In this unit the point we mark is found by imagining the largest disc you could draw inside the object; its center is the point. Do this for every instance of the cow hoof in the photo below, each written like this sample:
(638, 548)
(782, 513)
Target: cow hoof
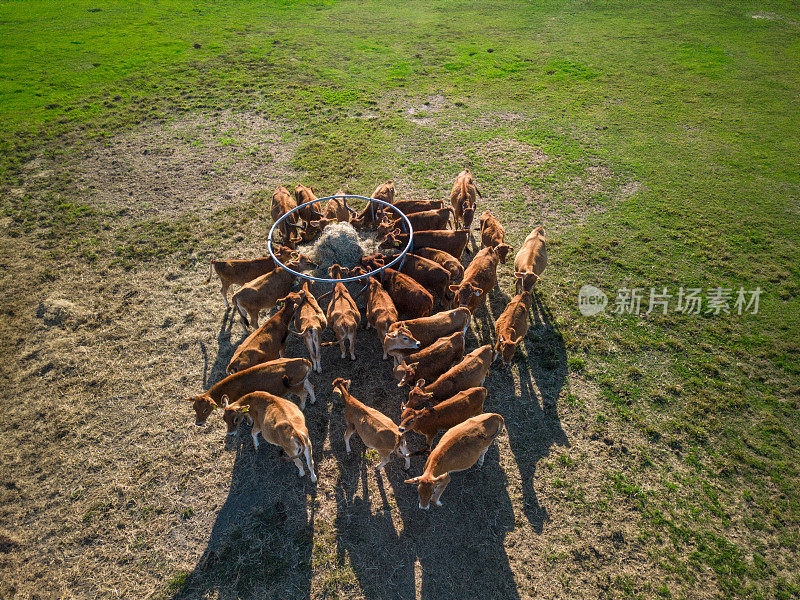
(438, 503)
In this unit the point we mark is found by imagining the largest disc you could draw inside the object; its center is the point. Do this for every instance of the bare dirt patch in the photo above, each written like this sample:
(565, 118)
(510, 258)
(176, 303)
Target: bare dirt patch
(196, 164)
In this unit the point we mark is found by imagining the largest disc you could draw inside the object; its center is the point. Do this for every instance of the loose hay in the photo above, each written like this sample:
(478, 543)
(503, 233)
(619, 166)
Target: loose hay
(340, 244)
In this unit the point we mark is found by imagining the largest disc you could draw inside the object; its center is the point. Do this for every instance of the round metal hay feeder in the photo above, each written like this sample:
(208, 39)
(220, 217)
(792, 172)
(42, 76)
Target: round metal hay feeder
(400, 258)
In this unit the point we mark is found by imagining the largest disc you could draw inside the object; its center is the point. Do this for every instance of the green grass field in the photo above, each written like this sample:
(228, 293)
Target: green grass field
(659, 146)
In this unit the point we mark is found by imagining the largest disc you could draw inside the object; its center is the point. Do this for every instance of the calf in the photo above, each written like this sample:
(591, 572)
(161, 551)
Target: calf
(410, 298)
(470, 372)
(459, 449)
(263, 292)
(492, 231)
(242, 271)
(422, 221)
(462, 197)
(448, 261)
(512, 325)
(429, 421)
(268, 341)
(282, 202)
(336, 210)
(280, 377)
(408, 207)
(382, 314)
(310, 322)
(343, 315)
(480, 277)
(369, 216)
(430, 362)
(278, 421)
(531, 260)
(426, 330)
(452, 242)
(303, 195)
(375, 429)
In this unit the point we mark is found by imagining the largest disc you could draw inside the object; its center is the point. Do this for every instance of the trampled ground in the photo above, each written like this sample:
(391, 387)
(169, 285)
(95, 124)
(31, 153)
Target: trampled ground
(645, 456)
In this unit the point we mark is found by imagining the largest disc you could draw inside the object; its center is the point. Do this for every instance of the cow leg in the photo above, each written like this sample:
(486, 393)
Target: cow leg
(352, 338)
(318, 350)
(384, 460)
(254, 318)
(280, 353)
(341, 341)
(310, 391)
(482, 456)
(347, 434)
(225, 294)
(310, 463)
(254, 433)
(437, 492)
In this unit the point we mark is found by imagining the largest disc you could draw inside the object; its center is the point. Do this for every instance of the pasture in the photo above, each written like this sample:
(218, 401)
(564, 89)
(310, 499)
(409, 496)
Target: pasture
(646, 455)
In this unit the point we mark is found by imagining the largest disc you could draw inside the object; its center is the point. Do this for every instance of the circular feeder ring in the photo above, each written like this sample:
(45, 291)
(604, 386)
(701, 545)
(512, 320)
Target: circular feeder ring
(400, 258)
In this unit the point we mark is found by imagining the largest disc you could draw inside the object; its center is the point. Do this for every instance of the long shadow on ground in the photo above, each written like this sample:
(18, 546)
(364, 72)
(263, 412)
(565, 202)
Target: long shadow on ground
(225, 350)
(261, 541)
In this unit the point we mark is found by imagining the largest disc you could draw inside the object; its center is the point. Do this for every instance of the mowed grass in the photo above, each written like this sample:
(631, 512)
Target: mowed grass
(558, 108)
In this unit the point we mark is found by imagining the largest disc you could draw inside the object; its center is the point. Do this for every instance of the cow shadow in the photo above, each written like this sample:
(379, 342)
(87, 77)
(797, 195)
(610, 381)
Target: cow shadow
(225, 349)
(531, 411)
(261, 541)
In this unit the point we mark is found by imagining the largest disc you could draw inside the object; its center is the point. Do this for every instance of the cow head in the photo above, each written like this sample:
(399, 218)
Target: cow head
(291, 302)
(409, 417)
(393, 241)
(426, 485)
(526, 280)
(464, 294)
(400, 339)
(384, 227)
(337, 271)
(203, 406)
(467, 214)
(506, 346)
(417, 396)
(405, 372)
(234, 416)
(502, 252)
(385, 192)
(341, 386)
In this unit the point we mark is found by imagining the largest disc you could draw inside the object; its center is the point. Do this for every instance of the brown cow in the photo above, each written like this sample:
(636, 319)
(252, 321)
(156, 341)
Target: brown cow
(462, 197)
(429, 421)
(429, 362)
(263, 292)
(470, 372)
(336, 210)
(410, 298)
(375, 429)
(282, 203)
(408, 207)
(310, 322)
(241, 271)
(280, 377)
(303, 195)
(448, 261)
(531, 260)
(430, 275)
(268, 341)
(452, 242)
(480, 277)
(369, 216)
(426, 330)
(512, 325)
(459, 449)
(382, 314)
(492, 231)
(428, 220)
(343, 315)
(278, 421)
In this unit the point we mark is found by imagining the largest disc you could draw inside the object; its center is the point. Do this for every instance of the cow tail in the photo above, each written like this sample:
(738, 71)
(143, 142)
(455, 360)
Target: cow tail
(210, 271)
(242, 312)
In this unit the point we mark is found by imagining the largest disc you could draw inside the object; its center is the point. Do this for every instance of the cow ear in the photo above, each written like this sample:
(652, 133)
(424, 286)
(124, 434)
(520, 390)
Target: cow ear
(454, 288)
(439, 478)
(314, 223)
(225, 401)
(420, 382)
(396, 232)
(517, 275)
(413, 480)
(477, 292)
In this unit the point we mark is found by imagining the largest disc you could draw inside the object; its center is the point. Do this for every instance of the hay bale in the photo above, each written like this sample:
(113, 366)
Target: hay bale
(338, 244)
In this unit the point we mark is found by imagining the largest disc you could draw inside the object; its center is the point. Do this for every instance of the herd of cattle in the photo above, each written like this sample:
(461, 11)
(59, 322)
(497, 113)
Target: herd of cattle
(425, 346)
